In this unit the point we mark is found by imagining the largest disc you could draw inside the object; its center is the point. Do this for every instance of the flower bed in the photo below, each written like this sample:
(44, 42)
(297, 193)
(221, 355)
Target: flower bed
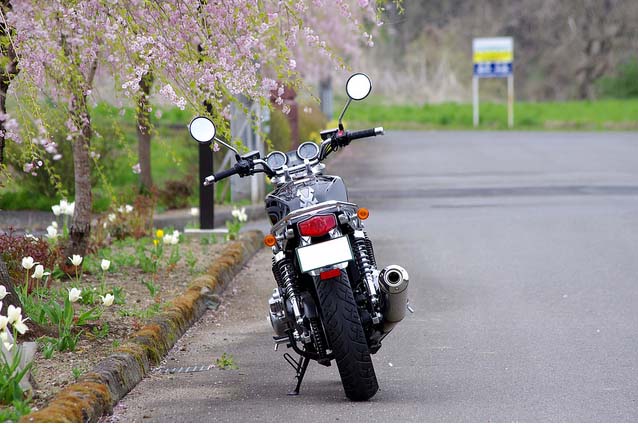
(81, 315)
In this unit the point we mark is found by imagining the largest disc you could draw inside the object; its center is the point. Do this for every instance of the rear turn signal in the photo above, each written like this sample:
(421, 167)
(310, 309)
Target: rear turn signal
(363, 213)
(270, 240)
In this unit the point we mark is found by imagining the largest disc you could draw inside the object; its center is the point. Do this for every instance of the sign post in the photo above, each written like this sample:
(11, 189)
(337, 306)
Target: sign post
(493, 58)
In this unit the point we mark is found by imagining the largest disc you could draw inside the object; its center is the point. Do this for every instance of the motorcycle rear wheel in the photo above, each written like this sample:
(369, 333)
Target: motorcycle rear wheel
(346, 337)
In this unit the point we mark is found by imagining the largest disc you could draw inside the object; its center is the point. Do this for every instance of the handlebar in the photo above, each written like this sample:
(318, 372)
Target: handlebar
(371, 132)
(211, 179)
(246, 165)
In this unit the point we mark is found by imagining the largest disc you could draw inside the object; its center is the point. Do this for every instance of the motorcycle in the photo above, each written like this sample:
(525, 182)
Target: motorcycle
(331, 301)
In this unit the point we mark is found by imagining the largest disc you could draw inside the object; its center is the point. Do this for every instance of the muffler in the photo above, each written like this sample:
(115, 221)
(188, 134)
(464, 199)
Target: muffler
(394, 280)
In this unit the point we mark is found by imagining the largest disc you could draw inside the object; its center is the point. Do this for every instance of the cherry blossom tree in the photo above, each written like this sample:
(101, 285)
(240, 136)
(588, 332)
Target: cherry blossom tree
(58, 44)
(197, 51)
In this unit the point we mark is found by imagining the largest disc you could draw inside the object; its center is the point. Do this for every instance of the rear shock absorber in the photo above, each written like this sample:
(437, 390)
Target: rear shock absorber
(286, 278)
(366, 262)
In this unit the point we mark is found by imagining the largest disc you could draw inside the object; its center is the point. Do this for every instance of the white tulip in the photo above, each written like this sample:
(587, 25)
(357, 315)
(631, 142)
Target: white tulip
(52, 232)
(167, 239)
(27, 262)
(105, 264)
(56, 210)
(14, 314)
(3, 293)
(112, 217)
(243, 217)
(20, 326)
(63, 206)
(76, 260)
(194, 211)
(70, 209)
(74, 294)
(128, 208)
(120, 209)
(108, 299)
(54, 224)
(240, 214)
(3, 323)
(4, 335)
(39, 272)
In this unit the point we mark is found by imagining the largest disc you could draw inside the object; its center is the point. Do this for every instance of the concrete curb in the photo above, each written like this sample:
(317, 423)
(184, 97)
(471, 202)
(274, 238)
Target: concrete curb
(96, 392)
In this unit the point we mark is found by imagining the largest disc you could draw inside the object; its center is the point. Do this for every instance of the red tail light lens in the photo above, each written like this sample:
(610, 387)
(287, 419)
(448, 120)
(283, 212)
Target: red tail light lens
(317, 226)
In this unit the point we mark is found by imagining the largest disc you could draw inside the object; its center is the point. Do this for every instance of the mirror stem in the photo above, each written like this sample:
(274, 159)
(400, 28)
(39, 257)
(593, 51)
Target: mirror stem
(343, 113)
(226, 144)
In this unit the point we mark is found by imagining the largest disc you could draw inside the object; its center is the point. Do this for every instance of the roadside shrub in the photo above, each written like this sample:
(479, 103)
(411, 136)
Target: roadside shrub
(176, 193)
(311, 122)
(134, 220)
(622, 85)
(280, 134)
(15, 247)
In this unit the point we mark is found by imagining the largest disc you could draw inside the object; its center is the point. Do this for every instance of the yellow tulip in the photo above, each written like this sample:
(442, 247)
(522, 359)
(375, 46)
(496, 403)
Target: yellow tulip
(159, 233)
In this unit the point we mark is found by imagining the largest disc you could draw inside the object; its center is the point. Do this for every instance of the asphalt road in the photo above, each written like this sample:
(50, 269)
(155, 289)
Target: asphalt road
(523, 254)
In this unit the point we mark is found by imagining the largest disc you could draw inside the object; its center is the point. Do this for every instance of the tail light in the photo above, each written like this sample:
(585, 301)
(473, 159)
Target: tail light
(317, 226)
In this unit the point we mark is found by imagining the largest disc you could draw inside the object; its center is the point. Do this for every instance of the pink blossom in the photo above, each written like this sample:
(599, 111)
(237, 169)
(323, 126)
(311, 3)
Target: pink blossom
(137, 169)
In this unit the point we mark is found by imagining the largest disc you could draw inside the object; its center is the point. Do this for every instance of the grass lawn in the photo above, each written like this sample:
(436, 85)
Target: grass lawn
(577, 115)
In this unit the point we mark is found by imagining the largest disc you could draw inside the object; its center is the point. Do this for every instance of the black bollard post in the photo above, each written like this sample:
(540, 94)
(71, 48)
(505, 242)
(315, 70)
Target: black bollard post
(206, 194)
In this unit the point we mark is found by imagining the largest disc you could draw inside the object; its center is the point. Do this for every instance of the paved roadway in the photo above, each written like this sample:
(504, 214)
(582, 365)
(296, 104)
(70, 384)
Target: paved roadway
(523, 255)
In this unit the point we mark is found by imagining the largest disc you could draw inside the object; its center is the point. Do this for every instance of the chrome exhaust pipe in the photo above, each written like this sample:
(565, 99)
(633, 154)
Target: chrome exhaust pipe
(394, 280)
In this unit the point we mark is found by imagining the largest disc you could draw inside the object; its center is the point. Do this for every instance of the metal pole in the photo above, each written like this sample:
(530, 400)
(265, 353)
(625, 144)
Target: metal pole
(510, 101)
(206, 194)
(475, 99)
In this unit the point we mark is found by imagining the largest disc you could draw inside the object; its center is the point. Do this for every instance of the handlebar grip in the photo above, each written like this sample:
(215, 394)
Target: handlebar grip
(365, 133)
(220, 176)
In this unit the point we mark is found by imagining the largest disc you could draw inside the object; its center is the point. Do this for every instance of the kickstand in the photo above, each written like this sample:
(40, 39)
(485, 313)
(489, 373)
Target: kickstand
(300, 368)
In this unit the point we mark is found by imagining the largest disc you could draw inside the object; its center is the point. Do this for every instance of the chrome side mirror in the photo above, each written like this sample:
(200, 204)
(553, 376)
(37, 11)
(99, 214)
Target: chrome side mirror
(358, 86)
(202, 129)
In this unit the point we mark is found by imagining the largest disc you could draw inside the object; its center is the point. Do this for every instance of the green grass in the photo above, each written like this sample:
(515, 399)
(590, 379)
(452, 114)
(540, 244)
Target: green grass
(583, 115)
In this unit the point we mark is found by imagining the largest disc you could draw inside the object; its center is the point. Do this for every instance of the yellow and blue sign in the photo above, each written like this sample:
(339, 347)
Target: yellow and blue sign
(493, 57)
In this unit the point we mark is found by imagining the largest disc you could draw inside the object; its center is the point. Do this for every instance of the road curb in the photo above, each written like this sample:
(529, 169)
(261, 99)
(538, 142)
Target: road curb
(96, 392)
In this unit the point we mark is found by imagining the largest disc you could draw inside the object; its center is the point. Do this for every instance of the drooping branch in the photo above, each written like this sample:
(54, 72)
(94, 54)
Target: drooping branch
(8, 70)
(144, 132)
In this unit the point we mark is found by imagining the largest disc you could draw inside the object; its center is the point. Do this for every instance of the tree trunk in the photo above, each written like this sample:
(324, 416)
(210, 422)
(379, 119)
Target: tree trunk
(11, 298)
(80, 230)
(7, 72)
(144, 133)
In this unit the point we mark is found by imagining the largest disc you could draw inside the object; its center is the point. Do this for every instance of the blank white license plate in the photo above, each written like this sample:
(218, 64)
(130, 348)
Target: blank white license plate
(324, 254)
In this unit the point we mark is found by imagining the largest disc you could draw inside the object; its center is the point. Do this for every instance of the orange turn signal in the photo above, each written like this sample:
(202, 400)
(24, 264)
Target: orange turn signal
(363, 213)
(270, 240)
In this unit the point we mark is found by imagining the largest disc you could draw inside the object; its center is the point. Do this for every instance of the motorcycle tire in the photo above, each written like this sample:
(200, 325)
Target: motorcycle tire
(346, 337)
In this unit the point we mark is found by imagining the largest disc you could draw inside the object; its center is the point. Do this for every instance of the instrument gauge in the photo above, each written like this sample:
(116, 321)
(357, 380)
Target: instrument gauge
(308, 150)
(276, 160)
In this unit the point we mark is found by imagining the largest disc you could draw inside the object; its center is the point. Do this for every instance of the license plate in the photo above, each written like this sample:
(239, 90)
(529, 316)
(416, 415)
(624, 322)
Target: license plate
(324, 254)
